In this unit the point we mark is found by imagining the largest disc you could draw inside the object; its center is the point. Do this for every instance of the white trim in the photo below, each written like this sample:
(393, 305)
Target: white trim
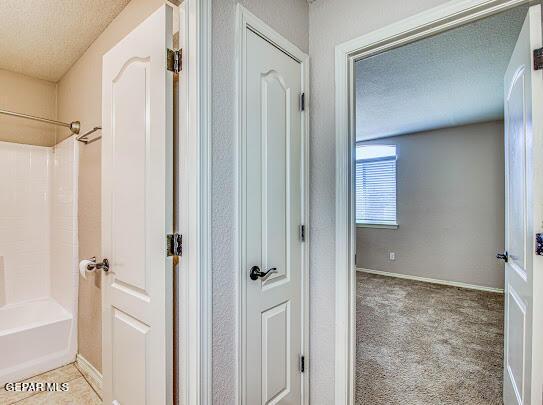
(93, 376)
(194, 190)
(430, 22)
(246, 19)
(432, 280)
(376, 225)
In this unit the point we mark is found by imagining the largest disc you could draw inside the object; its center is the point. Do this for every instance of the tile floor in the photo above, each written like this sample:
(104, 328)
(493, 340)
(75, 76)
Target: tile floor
(80, 391)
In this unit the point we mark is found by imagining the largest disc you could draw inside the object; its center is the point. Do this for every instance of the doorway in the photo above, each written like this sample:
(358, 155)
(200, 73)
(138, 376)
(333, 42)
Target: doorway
(366, 48)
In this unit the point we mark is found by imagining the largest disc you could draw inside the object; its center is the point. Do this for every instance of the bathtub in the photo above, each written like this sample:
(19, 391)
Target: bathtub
(35, 336)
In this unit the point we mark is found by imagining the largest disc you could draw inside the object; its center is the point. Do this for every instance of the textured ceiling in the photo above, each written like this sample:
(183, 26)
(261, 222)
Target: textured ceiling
(453, 78)
(43, 38)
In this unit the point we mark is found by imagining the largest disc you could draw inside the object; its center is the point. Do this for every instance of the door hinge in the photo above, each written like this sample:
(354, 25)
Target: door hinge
(539, 244)
(538, 59)
(302, 102)
(174, 244)
(302, 364)
(302, 233)
(174, 60)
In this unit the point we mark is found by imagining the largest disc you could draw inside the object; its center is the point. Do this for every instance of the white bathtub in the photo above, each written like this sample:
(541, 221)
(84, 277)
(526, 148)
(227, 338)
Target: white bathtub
(35, 336)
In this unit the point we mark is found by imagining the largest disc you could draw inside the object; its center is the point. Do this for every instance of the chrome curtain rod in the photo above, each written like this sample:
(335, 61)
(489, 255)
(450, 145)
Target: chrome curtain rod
(75, 126)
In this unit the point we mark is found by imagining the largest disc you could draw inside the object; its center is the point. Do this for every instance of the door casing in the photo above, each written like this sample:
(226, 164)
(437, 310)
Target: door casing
(425, 24)
(247, 20)
(193, 208)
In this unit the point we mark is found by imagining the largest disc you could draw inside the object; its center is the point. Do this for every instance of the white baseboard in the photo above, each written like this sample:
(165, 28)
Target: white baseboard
(432, 280)
(93, 376)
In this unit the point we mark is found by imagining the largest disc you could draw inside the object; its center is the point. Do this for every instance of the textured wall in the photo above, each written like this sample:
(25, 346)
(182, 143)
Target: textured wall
(450, 200)
(80, 97)
(27, 95)
(289, 18)
(332, 22)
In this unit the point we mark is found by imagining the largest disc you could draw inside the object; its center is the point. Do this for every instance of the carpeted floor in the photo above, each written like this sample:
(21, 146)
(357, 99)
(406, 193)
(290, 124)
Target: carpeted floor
(421, 343)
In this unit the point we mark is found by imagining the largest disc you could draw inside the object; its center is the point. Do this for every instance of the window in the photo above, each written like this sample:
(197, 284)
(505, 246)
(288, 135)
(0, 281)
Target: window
(375, 186)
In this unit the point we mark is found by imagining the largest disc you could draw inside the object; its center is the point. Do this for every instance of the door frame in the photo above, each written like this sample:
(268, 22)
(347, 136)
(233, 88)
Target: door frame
(193, 208)
(245, 19)
(427, 23)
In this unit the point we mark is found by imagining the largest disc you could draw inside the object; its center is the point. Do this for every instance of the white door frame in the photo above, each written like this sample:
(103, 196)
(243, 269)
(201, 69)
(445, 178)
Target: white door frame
(430, 22)
(246, 19)
(193, 207)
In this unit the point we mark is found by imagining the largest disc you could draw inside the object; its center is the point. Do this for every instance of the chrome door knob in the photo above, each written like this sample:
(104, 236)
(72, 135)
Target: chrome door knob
(104, 265)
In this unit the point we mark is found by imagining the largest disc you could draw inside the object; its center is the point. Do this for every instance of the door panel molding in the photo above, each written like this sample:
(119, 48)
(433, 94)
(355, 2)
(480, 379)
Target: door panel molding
(520, 306)
(275, 318)
(269, 80)
(246, 20)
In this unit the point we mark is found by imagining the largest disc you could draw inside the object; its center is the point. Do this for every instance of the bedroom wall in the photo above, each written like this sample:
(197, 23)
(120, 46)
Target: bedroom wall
(450, 207)
(80, 96)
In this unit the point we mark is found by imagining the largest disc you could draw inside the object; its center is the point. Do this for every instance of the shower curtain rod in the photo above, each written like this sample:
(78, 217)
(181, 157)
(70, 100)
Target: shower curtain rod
(74, 126)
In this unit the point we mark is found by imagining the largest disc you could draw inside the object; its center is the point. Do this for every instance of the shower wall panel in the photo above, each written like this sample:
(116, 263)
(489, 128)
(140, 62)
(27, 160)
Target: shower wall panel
(25, 221)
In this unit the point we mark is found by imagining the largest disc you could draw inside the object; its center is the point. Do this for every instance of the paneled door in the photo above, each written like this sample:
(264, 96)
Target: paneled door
(272, 199)
(137, 196)
(523, 119)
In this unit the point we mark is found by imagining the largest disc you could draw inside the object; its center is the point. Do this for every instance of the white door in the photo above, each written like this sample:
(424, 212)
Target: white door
(273, 207)
(137, 120)
(523, 120)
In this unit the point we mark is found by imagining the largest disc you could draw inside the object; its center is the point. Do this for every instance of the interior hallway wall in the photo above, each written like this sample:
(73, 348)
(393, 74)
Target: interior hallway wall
(80, 98)
(332, 22)
(290, 19)
(27, 95)
(450, 204)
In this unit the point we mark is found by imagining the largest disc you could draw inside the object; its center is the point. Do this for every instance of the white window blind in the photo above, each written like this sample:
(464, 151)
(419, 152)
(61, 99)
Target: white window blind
(375, 184)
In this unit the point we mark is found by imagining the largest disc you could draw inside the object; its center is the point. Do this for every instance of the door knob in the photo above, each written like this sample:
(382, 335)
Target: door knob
(256, 273)
(503, 256)
(104, 265)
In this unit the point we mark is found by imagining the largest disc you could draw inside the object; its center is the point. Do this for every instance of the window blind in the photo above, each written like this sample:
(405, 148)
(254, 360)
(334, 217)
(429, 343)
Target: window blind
(375, 186)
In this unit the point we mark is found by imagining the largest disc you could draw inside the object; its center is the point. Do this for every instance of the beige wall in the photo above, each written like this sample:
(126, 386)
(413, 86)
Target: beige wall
(80, 96)
(450, 202)
(31, 96)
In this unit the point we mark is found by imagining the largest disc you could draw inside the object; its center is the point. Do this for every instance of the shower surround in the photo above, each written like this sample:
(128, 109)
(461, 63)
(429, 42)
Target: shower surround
(38, 258)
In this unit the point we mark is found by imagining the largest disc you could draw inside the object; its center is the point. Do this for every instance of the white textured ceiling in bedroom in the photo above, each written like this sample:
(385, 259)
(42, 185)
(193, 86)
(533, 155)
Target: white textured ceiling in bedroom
(43, 38)
(454, 78)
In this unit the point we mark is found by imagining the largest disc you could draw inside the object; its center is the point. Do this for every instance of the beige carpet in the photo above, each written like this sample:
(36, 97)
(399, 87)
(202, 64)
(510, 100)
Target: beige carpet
(421, 343)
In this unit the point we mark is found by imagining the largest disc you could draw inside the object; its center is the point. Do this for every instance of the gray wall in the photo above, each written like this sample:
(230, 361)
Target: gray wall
(290, 19)
(450, 199)
(332, 22)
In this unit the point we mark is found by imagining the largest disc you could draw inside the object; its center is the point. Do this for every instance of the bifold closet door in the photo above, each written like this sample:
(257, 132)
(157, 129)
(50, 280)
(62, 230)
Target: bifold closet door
(137, 193)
